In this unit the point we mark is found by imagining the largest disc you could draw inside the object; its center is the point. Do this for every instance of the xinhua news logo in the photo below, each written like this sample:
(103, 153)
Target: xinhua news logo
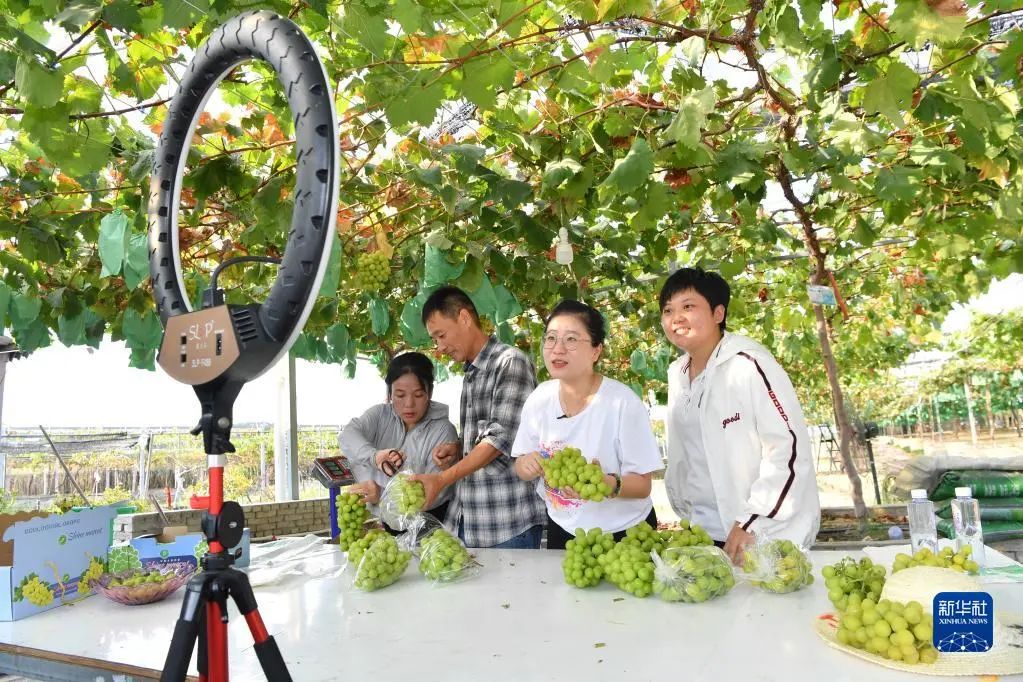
(963, 622)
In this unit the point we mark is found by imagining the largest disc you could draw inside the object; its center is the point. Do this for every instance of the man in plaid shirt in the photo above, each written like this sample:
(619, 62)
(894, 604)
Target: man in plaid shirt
(494, 508)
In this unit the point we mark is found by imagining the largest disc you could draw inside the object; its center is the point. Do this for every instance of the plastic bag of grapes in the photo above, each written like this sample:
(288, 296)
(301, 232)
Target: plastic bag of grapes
(779, 566)
(381, 564)
(402, 501)
(444, 559)
(691, 574)
(417, 528)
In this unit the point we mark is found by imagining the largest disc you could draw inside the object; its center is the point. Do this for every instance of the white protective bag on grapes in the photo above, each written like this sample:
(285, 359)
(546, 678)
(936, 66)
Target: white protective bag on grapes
(692, 574)
(401, 501)
(381, 564)
(444, 559)
(779, 566)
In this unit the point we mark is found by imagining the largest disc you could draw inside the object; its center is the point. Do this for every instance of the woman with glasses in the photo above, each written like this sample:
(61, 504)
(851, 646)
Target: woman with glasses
(601, 417)
(400, 433)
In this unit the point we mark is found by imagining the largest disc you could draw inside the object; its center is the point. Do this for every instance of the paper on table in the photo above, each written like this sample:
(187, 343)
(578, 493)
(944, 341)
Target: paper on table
(998, 567)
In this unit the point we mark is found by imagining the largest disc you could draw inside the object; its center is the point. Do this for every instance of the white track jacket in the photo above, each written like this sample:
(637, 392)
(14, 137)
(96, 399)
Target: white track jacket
(757, 444)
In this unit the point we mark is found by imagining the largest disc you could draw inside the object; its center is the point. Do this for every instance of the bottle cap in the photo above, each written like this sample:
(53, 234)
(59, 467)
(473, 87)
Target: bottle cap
(964, 491)
(918, 494)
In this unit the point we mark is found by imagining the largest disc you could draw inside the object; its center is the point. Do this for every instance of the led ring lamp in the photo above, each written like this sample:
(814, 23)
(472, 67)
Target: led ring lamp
(220, 347)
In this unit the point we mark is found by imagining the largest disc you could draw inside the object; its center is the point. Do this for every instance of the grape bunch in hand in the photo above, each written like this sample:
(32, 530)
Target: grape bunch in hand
(567, 468)
(351, 517)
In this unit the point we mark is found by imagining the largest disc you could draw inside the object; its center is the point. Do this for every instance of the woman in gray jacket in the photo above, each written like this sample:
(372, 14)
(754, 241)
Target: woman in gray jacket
(401, 433)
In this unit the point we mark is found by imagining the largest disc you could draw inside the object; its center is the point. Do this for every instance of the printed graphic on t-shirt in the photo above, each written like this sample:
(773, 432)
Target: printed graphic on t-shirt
(556, 496)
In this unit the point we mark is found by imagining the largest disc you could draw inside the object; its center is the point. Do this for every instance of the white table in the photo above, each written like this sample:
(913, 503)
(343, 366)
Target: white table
(517, 621)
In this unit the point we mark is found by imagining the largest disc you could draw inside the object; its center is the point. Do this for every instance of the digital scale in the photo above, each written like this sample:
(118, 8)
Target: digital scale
(333, 472)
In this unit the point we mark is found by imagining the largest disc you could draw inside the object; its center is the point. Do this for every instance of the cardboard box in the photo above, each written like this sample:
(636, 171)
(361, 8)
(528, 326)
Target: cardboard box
(176, 545)
(44, 557)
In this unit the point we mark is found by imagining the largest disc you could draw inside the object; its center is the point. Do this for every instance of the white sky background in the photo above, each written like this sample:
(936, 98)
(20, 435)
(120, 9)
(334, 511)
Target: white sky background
(59, 386)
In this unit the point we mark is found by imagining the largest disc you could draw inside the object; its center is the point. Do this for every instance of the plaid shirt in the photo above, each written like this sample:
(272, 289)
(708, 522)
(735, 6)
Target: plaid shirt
(494, 503)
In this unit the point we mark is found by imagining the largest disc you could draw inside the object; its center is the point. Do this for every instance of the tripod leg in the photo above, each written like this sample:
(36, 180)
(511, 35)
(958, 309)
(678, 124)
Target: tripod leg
(267, 651)
(175, 668)
(204, 647)
(216, 633)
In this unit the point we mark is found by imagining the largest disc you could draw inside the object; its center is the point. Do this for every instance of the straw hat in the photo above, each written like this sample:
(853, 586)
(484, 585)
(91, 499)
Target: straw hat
(1002, 659)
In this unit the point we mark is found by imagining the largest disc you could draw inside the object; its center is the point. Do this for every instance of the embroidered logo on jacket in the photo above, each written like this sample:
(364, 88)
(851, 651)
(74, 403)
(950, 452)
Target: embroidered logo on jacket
(726, 422)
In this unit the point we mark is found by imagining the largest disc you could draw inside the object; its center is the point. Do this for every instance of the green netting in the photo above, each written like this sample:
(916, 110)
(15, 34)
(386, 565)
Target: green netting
(983, 483)
(991, 509)
(994, 531)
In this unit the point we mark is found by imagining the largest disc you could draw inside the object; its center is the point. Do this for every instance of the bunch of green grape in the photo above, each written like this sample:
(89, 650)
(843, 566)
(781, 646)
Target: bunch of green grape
(628, 564)
(946, 558)
(141, 578)
(693, 574)
(581, 564)
(687, 536)
(778, 566)
(122, 559)
(409, 495)
(97, 567)
(36, 591)
(850, 582)
(372, 270)
(442, 557)
(381, 564)
(351, 518)
(567, 468)
(358, 547)
(899, 632)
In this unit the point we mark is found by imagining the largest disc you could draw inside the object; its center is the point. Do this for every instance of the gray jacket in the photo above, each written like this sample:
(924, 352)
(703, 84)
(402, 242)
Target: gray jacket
(380, 428)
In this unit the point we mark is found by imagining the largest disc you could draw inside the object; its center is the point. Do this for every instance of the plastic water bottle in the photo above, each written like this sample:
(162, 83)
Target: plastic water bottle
(966, 521)
(923, 531)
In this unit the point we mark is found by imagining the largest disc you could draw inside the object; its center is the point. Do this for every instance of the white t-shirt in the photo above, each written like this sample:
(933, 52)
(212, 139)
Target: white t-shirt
(614, 428)
(699, 486)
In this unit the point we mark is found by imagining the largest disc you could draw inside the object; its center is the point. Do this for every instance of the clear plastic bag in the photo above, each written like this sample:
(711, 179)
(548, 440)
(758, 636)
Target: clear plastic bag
(417, 528)
(401, 501)
(381, 564)
(444, 559)
(779, 566)
(692, 574)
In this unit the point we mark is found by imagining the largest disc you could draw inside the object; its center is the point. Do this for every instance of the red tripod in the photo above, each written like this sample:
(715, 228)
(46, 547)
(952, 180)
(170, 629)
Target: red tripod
(204, 611)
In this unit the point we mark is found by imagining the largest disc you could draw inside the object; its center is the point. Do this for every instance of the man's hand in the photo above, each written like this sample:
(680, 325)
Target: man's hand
(529, 467)
(446, 454)
(369, 490)
(736, 543)
(433, 484)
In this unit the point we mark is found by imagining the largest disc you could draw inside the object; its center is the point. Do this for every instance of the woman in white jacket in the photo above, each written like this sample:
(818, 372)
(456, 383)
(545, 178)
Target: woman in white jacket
(739, 458)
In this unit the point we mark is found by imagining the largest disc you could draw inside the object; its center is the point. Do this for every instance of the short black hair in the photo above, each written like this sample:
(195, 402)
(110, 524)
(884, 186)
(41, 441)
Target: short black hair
(590, 316)
(449, 301)
(710, 285)
(414, 363)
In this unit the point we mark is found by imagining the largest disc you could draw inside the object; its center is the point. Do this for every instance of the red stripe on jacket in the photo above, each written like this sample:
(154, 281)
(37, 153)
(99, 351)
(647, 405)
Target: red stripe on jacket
(792, 458)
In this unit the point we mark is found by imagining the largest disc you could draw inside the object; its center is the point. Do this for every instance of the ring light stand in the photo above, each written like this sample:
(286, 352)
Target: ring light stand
(220, 347)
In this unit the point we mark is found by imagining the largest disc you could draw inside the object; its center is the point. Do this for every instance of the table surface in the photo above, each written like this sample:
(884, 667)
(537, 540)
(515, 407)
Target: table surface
(517, 620)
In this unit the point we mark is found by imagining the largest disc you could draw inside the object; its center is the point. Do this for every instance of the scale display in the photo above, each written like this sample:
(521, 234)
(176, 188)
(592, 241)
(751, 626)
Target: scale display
(333, 471)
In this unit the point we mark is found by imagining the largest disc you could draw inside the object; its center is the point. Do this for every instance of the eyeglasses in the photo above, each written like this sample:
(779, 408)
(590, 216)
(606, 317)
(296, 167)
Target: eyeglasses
(570, 341)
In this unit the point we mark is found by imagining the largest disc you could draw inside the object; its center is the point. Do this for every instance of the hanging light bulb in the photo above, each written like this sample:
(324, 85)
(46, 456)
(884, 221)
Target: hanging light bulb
(563, 251)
